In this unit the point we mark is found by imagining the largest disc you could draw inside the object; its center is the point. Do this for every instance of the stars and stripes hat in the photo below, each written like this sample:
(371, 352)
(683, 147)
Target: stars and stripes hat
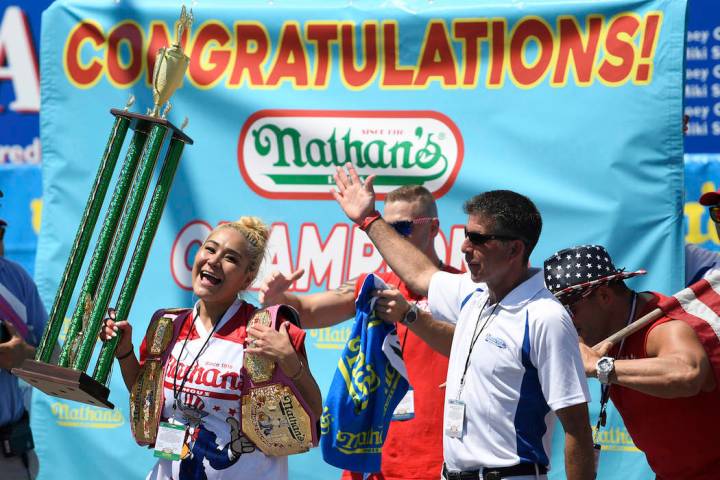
(571, 272)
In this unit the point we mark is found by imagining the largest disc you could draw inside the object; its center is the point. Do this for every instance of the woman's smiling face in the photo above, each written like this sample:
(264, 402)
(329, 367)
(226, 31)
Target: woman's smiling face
(220, 270)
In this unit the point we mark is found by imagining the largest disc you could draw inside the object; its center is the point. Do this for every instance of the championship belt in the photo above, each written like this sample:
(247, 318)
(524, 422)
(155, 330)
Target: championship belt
(274, 415)
(146, 395)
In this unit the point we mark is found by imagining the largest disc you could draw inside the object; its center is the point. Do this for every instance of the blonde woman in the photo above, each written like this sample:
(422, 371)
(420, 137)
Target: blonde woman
(202, 381)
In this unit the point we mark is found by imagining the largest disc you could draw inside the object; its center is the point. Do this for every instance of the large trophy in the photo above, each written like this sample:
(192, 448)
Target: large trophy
(151, 133)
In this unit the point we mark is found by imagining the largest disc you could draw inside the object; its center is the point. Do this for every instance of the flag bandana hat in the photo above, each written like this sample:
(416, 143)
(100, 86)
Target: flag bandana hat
(364, 391)
(571, 272)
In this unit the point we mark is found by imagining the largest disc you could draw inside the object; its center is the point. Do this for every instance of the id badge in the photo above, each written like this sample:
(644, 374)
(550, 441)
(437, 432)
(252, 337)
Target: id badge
(454, 418)
(405, 410)
(170, 440)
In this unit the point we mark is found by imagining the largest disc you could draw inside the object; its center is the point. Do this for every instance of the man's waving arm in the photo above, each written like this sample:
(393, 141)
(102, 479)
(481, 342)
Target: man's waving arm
(316, 310)
(357, 199)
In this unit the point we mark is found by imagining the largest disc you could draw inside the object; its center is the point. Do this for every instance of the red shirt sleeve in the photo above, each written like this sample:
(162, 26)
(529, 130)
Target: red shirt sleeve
(143, 351)
(297, 338)
(358, 283)
(297, 334)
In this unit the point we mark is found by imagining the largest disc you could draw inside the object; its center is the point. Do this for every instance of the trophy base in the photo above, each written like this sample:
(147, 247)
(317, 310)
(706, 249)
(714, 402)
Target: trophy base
(144, 123)
(64, 383)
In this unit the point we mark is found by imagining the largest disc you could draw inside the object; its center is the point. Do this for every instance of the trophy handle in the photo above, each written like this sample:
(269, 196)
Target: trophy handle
(160, 58)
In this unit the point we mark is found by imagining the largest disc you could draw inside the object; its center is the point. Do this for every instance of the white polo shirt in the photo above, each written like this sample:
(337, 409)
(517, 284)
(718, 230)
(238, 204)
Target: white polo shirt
(525, 364)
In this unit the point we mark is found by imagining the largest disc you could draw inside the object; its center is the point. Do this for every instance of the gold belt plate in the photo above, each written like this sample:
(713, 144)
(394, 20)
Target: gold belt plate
(275, 421)
(146, 395)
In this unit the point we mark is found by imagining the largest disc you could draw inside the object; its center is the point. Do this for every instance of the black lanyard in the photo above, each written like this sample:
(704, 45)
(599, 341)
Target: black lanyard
(176, 391)
(476, 335)
(605, 388)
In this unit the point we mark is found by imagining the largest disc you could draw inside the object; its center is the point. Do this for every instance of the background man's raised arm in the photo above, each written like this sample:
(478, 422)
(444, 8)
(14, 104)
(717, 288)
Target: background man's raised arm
(316, 310)
(357, 199)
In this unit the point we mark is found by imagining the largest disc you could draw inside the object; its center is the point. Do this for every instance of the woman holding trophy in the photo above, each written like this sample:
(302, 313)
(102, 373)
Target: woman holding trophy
(222, 390)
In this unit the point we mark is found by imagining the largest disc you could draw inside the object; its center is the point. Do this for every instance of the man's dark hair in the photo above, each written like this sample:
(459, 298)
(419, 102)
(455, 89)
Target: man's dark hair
(513, 214)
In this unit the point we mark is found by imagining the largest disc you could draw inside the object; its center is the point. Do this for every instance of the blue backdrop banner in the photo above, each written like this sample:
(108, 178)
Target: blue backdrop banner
(20, 151)
(577, 104)
(702, 80)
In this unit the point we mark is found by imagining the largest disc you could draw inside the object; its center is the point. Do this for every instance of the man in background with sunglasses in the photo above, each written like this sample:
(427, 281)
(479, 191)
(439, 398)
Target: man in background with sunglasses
(514, 357)
(413, 447)
(699, 261)
(663, 379)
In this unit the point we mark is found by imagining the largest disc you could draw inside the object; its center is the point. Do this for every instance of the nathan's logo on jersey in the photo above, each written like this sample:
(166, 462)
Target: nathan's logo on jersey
(199, 375)
(85, 416)
(333, 338)
(292, 154)
(615, 439)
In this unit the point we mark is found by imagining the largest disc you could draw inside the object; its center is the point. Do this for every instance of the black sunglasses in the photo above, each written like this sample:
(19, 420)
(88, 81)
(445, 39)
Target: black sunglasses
(574, 298)
(715, 213)
(405, 227)
(479, 239)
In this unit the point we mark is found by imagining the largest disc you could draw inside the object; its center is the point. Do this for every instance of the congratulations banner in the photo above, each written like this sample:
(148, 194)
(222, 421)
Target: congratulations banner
(577, 104)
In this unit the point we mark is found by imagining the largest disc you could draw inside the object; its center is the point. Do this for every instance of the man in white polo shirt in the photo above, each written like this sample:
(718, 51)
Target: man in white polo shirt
(514, 358)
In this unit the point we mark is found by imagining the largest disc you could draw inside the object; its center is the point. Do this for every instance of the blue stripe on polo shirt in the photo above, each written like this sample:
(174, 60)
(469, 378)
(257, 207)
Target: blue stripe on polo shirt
(532, 408)
(465, 300)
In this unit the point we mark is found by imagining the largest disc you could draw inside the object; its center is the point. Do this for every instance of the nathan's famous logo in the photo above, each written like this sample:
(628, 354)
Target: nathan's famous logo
(360, 377)
(294, 153)
(615, 439)
(86, 416)
(288, 410)
(333, 338)
(370, 441)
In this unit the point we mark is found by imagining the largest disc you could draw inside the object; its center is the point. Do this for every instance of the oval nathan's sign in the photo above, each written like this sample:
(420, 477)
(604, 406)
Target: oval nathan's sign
(292, 154)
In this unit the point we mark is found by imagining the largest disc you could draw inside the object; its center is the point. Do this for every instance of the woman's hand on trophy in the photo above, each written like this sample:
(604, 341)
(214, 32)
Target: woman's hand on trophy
(111, 328)
(274, 344)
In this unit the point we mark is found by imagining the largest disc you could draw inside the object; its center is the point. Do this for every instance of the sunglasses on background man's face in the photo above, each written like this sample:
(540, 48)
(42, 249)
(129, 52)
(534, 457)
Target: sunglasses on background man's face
(570, 301)
(479, 239)
(405, 227)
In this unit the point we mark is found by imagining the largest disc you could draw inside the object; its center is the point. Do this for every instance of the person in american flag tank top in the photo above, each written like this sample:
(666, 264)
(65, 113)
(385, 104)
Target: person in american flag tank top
(664, 379)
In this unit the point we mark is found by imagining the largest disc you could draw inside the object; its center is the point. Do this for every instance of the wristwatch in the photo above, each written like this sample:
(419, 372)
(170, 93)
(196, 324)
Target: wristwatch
(605, 367)
(410, 315)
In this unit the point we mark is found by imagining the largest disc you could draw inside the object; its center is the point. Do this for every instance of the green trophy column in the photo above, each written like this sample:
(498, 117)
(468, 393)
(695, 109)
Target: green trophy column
(82, 240)
(120, 245)
(139, 258)
(102, 246)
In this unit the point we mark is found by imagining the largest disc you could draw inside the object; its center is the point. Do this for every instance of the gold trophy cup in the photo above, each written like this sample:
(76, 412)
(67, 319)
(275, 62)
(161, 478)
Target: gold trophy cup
(170, 65)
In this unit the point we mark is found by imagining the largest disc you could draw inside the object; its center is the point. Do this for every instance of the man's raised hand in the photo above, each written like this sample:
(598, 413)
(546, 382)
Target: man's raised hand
(273, 288)
(356, 198)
